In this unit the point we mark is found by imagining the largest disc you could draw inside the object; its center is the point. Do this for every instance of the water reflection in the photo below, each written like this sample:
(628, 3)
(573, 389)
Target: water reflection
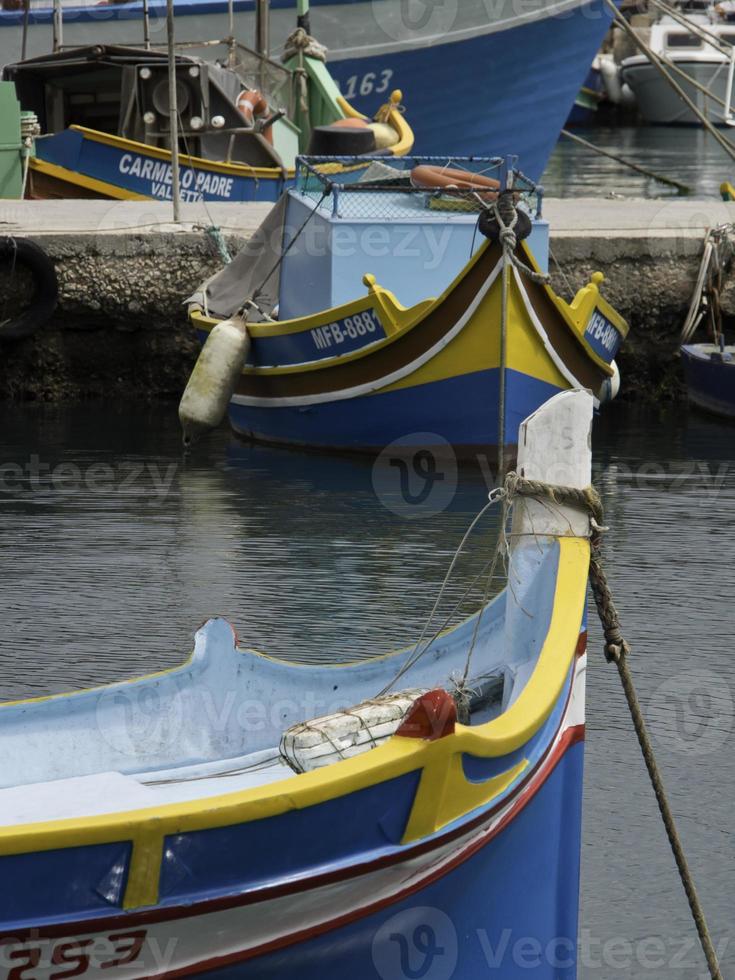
(687, 154)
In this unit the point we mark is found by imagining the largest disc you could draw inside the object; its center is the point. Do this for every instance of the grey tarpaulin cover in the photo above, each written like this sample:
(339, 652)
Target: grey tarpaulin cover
(225, 292)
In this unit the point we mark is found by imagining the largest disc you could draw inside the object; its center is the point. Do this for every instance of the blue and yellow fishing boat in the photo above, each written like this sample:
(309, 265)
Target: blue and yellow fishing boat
(103, 115)
(241, 816)
(361, 356)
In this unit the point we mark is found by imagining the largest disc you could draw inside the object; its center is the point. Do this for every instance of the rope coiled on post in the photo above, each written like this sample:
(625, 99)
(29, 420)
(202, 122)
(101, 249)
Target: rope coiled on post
(617, 650)
(299, 42)
(506, 215)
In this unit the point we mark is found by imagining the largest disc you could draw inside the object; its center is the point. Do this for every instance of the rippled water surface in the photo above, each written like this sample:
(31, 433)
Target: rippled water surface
(114, 549)
(685, 153)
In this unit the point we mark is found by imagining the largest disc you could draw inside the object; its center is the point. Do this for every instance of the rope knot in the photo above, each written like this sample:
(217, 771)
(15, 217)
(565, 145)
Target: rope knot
(299, 42)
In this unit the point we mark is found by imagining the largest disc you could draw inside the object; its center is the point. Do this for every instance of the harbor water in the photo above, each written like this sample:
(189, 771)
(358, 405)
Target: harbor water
(115, 548)
(684, 153)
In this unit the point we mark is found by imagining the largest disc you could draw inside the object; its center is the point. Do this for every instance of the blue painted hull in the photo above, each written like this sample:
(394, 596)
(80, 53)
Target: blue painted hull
(710, 383)
(462, 411)
(584, 110)
(134, 171)
(510, 912)
(507, 92)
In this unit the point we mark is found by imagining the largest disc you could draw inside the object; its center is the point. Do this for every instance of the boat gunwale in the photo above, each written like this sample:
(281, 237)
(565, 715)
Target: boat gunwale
(398, 756)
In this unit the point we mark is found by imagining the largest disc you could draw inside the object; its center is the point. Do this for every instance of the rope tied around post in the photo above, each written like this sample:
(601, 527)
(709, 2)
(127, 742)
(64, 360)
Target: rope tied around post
(616, 651)
(299, 42)
(506, 215)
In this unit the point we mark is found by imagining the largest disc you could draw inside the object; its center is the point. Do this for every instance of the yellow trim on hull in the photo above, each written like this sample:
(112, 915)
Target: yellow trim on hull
(444, 794)
(198, 163)
(475, 348)
(100, 187)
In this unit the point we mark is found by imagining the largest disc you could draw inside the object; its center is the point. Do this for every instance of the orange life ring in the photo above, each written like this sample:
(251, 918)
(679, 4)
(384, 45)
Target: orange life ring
(252, 105)
(432, 178)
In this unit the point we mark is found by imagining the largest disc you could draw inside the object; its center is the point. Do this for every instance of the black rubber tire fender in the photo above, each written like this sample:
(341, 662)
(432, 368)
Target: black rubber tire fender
(23, 252)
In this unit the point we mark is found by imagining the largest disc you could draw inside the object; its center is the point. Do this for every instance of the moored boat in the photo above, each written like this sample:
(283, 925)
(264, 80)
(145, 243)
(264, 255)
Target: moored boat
(588, 98)
(696, 41)
(159, 828)
(709, 370)
(351, 368)
(104, 122)
(498, 77)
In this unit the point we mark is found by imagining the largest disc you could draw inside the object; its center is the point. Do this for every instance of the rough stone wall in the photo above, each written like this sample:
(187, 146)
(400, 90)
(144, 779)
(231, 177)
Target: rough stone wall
(121, 330)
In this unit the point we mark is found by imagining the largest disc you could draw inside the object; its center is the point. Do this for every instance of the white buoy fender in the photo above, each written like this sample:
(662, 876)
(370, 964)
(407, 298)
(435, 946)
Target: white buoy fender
(610, 386)
(212, 382)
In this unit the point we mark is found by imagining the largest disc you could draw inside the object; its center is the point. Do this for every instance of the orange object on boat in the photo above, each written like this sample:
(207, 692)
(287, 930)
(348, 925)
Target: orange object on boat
(251, 104)
(352, 122)
(447, 178)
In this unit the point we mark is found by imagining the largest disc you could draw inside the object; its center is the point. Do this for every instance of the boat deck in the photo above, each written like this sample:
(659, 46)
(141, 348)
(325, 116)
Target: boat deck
(110, 792)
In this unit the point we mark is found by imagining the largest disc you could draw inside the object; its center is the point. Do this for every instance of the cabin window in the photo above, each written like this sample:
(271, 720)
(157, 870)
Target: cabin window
(727, 38)
(682, 40)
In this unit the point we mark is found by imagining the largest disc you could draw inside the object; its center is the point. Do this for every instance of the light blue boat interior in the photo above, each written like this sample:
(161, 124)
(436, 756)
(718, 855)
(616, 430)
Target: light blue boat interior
(230, 705)
(412, 250)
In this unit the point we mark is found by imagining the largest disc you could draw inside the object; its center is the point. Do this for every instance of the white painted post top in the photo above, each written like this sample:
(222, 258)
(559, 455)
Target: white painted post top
(555, 446)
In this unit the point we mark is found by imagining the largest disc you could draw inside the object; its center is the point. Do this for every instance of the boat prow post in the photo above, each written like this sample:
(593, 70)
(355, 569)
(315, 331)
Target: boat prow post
(555, 448)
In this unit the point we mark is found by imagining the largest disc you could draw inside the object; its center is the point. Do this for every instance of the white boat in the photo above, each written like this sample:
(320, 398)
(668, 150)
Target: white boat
(698, 42)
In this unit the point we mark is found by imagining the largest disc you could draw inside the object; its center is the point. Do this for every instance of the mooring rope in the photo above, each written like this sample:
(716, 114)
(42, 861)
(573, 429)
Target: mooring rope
(506, 215)
(617, 650)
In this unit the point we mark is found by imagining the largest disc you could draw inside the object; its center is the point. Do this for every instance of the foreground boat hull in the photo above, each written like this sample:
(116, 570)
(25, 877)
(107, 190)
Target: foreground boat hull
(437, 848)
(475, 918)
(464, 907)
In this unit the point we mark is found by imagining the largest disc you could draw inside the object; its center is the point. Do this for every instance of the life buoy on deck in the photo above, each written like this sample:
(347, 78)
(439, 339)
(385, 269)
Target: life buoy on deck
(252, 105)
(447, 178)
(15, 252)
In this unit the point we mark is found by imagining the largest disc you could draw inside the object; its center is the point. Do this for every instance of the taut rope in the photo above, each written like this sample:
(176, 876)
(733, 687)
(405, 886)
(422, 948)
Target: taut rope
(616, 651)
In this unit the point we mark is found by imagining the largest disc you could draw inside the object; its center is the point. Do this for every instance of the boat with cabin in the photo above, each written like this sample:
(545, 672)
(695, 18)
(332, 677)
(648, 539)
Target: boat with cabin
(695, 39)
(104, 126)
(323, 821)
(374, 313)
